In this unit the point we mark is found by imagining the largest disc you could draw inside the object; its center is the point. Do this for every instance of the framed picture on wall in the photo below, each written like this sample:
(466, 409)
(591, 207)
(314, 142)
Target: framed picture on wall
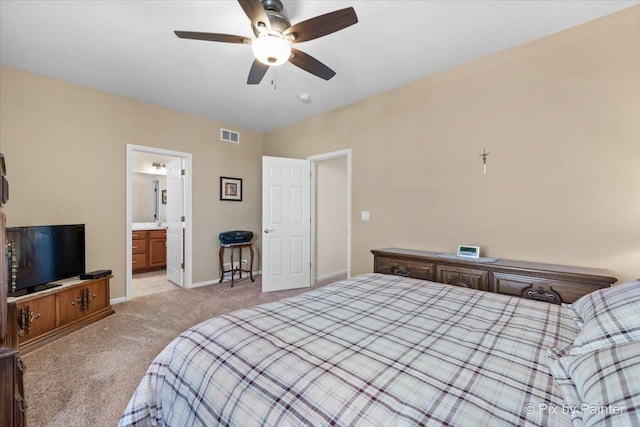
(231, 189)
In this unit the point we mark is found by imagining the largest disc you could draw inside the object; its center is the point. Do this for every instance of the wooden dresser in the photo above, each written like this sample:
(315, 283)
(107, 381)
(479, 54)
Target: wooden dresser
(12, 402)
(44, 316)
(543, 282)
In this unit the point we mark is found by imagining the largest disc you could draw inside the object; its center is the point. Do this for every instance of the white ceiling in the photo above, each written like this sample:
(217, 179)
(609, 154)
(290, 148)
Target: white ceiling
(128, 48)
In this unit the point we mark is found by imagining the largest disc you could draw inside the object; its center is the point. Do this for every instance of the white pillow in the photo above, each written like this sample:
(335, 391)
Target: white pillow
(610, 316)
(585, 308)
(601, 387)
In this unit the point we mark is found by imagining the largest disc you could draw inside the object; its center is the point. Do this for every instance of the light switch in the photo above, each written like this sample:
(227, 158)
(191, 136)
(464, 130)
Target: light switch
(364, 215)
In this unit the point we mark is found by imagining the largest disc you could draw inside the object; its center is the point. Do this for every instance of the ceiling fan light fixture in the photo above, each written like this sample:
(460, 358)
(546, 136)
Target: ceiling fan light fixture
(271, 50)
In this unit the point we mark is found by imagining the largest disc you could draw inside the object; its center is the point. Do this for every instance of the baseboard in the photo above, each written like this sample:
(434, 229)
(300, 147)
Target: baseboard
(201, 284)
(118, 300)
(226, 278)
(330, 276)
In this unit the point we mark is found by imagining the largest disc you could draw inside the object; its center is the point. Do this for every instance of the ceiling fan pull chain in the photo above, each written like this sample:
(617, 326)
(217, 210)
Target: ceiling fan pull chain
(273, 78)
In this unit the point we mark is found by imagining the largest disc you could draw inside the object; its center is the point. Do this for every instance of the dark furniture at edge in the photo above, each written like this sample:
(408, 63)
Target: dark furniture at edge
(12, 403)
(544, 282)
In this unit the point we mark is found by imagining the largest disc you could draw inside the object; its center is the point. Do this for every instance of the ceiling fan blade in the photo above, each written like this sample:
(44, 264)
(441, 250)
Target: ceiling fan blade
(322, 25)
(212, 37)
(255, 12)
(257, 72)
(311, 64)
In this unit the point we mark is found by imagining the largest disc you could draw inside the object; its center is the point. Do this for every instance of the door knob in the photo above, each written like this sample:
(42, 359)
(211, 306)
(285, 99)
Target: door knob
(268, 230)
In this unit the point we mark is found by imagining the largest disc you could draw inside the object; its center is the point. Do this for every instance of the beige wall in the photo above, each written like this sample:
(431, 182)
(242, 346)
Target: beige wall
(65, 149)
(331, 219)
(561, 118)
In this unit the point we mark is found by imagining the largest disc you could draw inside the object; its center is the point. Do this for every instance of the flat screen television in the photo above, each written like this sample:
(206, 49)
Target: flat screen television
(44, 254)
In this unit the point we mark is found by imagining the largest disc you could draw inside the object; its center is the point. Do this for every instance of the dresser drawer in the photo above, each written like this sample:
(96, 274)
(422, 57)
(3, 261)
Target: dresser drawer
(404, 267)
(36, 317)
(72, 306)
(540, 288)
(138, 247)
(138, 261)
(463, 277)
(157, 234)
(138, 235)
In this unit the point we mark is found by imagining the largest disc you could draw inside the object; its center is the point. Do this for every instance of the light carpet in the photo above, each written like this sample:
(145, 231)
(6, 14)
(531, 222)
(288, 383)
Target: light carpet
(87, 377)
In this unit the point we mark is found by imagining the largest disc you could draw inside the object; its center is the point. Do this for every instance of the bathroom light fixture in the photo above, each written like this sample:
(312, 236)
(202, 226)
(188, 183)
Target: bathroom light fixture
(271, 49)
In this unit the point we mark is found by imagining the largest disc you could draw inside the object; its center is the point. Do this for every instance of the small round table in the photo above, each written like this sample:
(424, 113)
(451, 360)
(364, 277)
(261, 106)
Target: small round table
(238, 270)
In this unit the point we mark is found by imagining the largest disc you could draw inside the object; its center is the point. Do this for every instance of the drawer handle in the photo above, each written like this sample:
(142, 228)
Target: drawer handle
(400, 271)
(22, 404)
(21, 365)
(134, 261)
(11, 254)
(540, 294)
(26, 317)
(135, 247)
(84, 300)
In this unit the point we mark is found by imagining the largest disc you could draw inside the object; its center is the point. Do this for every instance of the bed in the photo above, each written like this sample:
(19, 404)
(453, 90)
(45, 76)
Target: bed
(375, 350)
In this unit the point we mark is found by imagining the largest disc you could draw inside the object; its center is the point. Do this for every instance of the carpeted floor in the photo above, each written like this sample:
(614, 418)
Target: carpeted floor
(86, 378)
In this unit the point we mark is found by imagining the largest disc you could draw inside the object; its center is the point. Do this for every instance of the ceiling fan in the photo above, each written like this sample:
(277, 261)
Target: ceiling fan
(275, 35)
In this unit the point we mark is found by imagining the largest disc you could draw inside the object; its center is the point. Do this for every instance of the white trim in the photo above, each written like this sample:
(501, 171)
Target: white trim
(118, 300)
(331, 275)
(313, 159)
(201, 284)
(188, 213)
(227, 278)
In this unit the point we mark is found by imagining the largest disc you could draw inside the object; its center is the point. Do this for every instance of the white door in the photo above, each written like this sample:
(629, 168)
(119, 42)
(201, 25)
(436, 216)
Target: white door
(286, 224)
(175, 215)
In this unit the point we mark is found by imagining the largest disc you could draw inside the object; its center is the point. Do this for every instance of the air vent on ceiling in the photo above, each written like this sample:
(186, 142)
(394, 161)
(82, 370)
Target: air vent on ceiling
(229, 136)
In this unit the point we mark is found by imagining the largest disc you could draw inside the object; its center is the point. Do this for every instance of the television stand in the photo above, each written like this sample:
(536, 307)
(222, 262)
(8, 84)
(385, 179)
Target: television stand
(33, 289)
(46, 315)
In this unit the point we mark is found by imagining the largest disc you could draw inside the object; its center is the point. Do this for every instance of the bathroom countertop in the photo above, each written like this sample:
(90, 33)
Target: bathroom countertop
(137, 226)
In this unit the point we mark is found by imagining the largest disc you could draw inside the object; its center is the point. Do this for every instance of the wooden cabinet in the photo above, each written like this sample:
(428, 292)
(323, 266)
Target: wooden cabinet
(13, 406)
(404, 267)
(149, 250)
(139, 241)
(464, 277)
(157, 248)
(44, 316)
(544, 282)
(543, 289)
(12, 401)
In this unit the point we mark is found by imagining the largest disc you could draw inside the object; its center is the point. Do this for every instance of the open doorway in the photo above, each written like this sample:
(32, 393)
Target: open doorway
(331, 215)
(290, 244)
(158, 224)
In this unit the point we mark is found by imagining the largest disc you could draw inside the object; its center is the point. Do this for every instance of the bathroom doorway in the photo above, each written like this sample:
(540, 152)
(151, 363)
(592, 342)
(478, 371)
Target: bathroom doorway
(158, 220)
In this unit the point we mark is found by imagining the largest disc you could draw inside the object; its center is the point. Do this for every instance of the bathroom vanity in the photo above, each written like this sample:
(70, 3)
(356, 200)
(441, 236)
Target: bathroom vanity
(149, 248)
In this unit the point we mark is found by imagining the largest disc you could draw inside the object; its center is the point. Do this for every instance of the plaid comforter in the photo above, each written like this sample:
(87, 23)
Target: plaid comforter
(375, 350)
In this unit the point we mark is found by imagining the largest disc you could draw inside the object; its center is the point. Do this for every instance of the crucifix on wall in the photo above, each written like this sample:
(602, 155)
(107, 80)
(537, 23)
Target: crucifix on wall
(484, 155)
